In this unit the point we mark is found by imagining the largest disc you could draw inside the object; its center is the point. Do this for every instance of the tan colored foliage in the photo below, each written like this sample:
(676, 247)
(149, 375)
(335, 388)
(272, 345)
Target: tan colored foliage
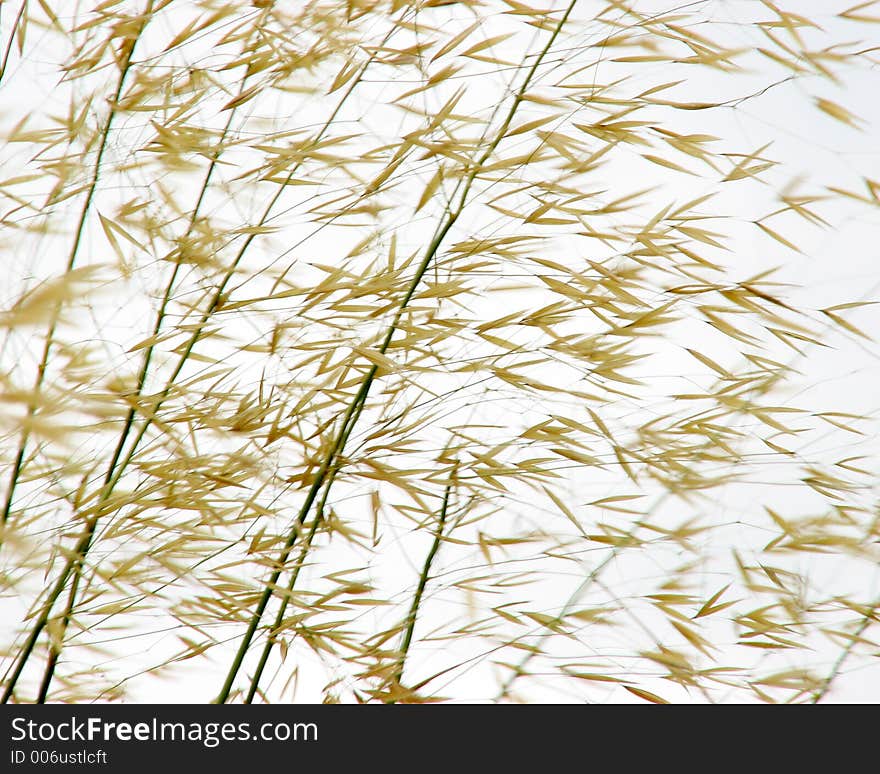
(368, 350)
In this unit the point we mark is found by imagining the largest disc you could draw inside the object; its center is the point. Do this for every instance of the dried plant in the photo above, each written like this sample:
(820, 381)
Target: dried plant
(448, 350)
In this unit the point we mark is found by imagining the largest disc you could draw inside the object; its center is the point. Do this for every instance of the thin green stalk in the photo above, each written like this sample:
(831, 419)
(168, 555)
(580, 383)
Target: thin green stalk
(12, 33)
(55, 649)
(869, 617)
(353, 410)
(294, 574)
(272, 583)
(420, 589)
(547, 632)
(43, 618)
(112, 475)
(128, 49)
(116, 469)
(282, 608)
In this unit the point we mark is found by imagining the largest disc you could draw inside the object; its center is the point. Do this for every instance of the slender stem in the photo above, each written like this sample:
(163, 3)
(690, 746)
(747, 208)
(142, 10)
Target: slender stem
(420, 589)
(55, 649)
(574, 598)
(12, 32)
(354, 409)
(282, 608)
(43, 618)
(272, 583)
(114, 469)
(127, 48)
(322, 471)
(869, 617)
(547, 631)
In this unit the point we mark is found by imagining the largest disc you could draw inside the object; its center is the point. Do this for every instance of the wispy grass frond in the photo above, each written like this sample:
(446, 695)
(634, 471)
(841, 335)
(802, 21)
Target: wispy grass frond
(381, 351)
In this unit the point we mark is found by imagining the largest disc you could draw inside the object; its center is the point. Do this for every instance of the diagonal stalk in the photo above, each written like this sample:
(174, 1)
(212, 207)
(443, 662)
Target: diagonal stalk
(868, 618)
(77, 559)
(128, 46)
(4, 62)
(55, 647)
(111, 477)
(115, 469)
(127, 50)
(285, 599)
(593, 577)
(43, 618)
(423, 582)
(354, 409)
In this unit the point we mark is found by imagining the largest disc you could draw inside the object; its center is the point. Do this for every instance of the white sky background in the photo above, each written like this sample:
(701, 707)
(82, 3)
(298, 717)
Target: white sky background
(838, 265)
